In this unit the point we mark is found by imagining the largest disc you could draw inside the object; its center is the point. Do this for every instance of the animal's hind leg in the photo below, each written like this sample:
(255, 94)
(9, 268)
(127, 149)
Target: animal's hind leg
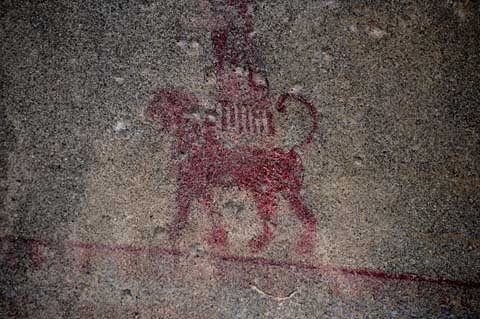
(266, 209)
(308, 219)
(184, 201)
(218, 235)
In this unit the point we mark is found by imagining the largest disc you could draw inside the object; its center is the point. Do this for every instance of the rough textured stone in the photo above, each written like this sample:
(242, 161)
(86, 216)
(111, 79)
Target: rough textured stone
(89, 182)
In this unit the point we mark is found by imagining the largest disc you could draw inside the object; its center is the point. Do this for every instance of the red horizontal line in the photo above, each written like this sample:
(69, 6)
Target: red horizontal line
(247, 260)
(124, 248)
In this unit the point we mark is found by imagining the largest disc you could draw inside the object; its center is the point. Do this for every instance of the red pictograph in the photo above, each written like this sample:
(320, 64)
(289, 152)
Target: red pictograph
(243, 107)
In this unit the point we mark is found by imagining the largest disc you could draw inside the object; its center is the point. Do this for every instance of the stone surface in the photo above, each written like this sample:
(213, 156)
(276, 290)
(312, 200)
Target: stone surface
(89, 182)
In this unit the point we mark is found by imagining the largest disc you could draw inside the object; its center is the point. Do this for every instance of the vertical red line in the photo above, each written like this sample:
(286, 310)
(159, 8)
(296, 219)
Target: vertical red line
(232, 116)
(254, 121)
(219, 39)
(239, 117)
(224, 115)
(247, 118)
(271, 129)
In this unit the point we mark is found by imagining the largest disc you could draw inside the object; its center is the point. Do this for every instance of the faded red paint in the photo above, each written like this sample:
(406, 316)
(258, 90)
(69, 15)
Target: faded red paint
(12, 250)
(121, 251)
(36, 254)
(243, 105)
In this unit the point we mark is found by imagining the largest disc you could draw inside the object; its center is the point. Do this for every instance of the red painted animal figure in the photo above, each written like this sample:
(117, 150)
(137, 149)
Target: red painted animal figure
(208, 164)
(243, 106)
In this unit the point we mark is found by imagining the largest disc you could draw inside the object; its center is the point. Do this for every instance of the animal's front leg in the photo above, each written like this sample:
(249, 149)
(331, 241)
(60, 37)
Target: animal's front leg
(266, 209)
(184, 202)
(218, 236)
(308, 219)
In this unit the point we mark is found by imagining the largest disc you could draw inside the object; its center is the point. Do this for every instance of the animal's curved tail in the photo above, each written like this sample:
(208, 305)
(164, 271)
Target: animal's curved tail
(281, 107)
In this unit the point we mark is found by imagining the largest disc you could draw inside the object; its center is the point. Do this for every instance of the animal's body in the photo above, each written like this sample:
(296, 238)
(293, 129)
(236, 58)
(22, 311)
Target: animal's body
(207, 165)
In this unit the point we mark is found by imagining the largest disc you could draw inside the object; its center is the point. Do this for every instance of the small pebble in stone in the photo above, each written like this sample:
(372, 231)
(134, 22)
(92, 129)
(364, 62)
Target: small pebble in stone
(295, 89)
(241, 72)
(358, 163)
(182, 44)
(351, 28)
(119, 80)
(375, 32)
(259, 79)
(195, 48)
(120, 126)
(197, 250)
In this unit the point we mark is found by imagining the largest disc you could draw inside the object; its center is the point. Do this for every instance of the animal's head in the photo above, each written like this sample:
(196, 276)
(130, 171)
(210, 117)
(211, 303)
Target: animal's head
(169, 109)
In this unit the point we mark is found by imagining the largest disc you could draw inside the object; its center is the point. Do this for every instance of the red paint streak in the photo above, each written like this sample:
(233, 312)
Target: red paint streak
(123, 248)
(32, 248)
(36, 256)
(218, 237)
(310, 107)
(85, 260)
(205, 163)
(259, 261)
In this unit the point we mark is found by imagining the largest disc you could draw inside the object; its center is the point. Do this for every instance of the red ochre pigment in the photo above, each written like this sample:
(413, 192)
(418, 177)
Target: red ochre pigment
(37, 249)
(244, 107)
